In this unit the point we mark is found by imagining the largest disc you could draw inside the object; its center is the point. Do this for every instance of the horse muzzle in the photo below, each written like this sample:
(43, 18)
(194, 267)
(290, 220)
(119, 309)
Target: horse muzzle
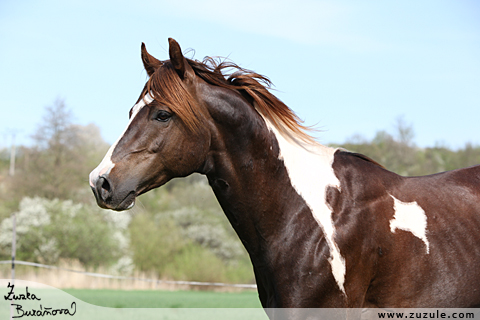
(109, 197)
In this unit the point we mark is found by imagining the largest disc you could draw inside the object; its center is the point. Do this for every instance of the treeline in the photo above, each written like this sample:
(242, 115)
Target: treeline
(175, 232)
(398, 152)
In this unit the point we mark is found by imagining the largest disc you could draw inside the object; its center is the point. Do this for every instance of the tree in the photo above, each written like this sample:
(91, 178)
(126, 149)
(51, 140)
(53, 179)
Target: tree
(63, 155)
(398, 152)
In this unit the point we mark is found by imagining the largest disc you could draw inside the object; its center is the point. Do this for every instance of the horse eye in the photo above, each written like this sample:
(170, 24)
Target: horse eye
(163, 116)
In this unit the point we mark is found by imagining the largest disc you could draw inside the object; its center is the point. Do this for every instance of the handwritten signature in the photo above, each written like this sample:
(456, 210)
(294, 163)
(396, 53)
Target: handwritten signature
(39, 312)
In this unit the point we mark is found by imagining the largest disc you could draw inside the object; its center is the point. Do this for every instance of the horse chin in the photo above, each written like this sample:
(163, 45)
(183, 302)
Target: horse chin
(131, 205)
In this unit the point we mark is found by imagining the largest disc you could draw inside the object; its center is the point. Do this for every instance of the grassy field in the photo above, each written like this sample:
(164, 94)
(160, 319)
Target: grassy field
(166, 299)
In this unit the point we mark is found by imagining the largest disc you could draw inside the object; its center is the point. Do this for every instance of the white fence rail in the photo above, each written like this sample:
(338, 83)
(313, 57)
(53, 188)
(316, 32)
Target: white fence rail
(101, 275)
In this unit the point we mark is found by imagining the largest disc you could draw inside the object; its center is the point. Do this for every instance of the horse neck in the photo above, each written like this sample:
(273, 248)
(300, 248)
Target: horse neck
(254, 186)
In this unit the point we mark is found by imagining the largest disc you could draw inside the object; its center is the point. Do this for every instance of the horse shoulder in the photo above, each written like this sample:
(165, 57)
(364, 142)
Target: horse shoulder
(361, 209)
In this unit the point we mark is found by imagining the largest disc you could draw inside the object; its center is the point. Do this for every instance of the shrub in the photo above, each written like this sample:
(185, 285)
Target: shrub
(49, 230)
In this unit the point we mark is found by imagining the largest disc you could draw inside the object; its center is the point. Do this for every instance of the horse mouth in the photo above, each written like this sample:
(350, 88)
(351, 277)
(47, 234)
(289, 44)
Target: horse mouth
(127, 203)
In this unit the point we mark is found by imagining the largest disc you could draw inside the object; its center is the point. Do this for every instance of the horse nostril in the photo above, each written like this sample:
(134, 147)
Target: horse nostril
(106, 185)
(103, 188)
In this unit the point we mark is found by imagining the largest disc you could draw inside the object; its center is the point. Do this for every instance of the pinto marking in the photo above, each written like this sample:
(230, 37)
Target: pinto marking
(309, 167)
(409, 216)
(107, 165)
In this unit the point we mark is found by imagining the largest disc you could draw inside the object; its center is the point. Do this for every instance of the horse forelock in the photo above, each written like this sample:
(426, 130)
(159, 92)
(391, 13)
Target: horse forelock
(167, 88)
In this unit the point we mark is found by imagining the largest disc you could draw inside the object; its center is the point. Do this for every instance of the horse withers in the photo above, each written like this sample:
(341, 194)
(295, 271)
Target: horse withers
(323, 227)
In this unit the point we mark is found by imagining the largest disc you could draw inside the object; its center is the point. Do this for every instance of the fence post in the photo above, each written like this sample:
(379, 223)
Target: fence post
(14, 249)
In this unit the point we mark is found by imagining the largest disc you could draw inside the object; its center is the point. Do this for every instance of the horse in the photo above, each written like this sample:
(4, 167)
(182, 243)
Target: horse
(324, 227)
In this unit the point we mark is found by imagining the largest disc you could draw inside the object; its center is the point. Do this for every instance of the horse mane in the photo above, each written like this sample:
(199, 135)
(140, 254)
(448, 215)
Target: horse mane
(166, 87)
(363, 157)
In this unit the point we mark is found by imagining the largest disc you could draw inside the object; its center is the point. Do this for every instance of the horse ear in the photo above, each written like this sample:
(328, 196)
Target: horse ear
(149, 62)
(179, 62)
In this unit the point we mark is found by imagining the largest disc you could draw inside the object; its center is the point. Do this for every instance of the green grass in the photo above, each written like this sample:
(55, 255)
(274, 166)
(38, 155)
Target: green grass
(166, 299)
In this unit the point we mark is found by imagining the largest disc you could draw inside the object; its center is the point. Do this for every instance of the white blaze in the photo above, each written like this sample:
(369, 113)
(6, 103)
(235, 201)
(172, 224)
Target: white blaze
(107, 165)
(409, 216)
(309, 166)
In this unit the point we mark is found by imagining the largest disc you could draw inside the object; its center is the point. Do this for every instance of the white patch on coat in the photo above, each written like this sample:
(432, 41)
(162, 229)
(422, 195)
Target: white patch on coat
(107, 165)
(409, 216)
(309, 166)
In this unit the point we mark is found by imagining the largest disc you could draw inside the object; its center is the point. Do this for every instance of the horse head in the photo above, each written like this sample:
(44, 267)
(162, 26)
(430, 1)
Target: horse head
(163, 139)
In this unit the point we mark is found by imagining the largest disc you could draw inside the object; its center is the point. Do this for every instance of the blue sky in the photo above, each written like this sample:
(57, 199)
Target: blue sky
(349, 67)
